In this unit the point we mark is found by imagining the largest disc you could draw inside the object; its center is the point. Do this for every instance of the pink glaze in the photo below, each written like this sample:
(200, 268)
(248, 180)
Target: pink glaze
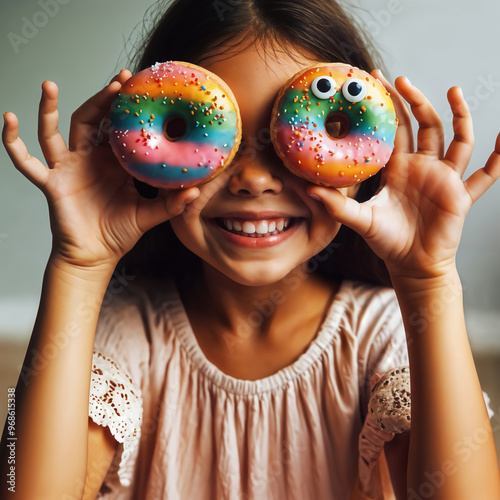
(139, 147)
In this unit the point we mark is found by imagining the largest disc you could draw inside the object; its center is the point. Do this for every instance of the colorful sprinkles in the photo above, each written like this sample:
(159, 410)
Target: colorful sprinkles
(174, 125)
(350, 138)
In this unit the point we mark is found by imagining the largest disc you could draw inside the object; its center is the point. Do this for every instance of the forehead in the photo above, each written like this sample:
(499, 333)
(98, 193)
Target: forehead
(257, 72)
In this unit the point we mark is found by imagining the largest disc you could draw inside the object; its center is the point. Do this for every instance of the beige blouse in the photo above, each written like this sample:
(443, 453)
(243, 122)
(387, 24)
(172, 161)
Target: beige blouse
(189, 431)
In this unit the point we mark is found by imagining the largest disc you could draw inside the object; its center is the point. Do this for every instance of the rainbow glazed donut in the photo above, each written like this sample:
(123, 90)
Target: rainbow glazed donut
(175, 125)
(333, 125)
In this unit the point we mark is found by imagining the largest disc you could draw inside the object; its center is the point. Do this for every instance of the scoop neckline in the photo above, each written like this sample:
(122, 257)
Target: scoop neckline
(326, 333)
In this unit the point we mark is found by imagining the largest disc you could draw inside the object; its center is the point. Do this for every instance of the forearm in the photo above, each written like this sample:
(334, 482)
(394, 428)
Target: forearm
(452, 453)
(52, 395)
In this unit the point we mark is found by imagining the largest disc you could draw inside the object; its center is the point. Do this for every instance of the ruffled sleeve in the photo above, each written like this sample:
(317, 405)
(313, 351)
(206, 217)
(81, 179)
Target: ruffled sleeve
(381, 337)
(115, 402)
(121, 353)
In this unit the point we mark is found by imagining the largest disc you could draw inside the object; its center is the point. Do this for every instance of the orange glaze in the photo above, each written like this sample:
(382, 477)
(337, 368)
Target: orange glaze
(343, 94)
(198, 99)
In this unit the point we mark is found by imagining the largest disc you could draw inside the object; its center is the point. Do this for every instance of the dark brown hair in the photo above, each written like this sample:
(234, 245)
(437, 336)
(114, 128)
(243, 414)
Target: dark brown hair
(193, 30)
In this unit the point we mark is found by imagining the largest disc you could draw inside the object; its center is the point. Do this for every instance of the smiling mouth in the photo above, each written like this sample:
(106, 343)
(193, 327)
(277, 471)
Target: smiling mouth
(256, 228)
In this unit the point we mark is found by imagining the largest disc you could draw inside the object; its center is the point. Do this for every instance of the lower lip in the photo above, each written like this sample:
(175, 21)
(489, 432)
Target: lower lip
(259, 242)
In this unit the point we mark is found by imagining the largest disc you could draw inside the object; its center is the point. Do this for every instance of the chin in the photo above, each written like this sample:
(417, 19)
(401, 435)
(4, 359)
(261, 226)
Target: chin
(253, 274)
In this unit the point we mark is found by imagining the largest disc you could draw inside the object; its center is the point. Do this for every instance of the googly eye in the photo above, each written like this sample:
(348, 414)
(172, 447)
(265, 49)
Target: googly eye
(354, 90)
(323, 87)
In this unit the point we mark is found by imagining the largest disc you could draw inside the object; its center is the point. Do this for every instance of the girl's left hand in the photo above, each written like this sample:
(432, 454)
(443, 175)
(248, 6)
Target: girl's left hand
(414, 222)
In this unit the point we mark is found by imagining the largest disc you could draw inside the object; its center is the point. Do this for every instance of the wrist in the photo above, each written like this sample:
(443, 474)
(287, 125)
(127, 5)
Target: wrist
(415, 288)
(426, 297)
(92, 278)
(423, 280)
(432, 310)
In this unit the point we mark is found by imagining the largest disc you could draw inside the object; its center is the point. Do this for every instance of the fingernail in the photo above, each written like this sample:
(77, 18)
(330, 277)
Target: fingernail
(460, 92)
(314, 196)
(190, 199)
(408, 81)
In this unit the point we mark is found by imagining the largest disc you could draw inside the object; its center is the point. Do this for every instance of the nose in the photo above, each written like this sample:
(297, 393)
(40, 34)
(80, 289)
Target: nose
(253, 177)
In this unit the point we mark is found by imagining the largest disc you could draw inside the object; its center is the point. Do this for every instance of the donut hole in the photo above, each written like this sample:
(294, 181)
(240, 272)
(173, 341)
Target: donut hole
(174, 128)
(336, 125)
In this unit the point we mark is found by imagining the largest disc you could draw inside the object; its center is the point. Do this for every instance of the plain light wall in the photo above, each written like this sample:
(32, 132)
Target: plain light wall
(81, 44)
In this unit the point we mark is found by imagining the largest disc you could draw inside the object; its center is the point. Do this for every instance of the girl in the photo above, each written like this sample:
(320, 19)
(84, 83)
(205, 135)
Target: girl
(226, 370)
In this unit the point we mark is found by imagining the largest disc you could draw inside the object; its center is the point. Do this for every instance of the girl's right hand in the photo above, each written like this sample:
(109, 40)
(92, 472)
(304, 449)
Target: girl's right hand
(96, 214)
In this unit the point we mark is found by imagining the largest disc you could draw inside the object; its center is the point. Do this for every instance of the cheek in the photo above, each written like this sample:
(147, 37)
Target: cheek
(323, 228)
(188, 225)
(324, 233)
(188, 229)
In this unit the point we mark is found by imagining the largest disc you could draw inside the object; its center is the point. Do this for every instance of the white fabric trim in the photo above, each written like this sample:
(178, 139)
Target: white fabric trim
(115, 402)
(487, 401)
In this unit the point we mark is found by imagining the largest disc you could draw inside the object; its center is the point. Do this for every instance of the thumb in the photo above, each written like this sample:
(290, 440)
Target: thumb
(373, 382)
(150, 213)
(347, 211)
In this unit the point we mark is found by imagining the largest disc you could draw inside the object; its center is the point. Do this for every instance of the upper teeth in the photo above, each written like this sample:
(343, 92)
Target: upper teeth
(257, 226)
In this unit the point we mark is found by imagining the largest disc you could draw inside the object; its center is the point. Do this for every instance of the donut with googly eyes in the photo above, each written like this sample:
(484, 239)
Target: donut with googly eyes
(175, 125)
(334, 125)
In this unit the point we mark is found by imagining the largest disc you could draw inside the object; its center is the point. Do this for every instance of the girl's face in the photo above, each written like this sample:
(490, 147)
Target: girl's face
(255, 222)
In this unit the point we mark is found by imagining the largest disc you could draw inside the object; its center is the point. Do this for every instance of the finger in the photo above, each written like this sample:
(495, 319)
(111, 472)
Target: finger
(150, 213)
(481, 180)
(373, 381)
(86, 120)
(404, 135)
(460, 149)
(30, 167)
(430, 136)
(345, 210)
(51, 141)
(121, 77)
(105, 125)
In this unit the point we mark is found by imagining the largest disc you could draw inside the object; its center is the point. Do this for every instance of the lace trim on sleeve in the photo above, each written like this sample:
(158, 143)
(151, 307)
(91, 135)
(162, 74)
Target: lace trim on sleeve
(115, 402)
(487, 401)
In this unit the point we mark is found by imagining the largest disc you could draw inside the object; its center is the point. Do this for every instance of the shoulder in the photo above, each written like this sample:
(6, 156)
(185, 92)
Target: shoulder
(131, 321)
(131, 304)
(372, 319)
(372, 325)
(369, 307)
(362, 292)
